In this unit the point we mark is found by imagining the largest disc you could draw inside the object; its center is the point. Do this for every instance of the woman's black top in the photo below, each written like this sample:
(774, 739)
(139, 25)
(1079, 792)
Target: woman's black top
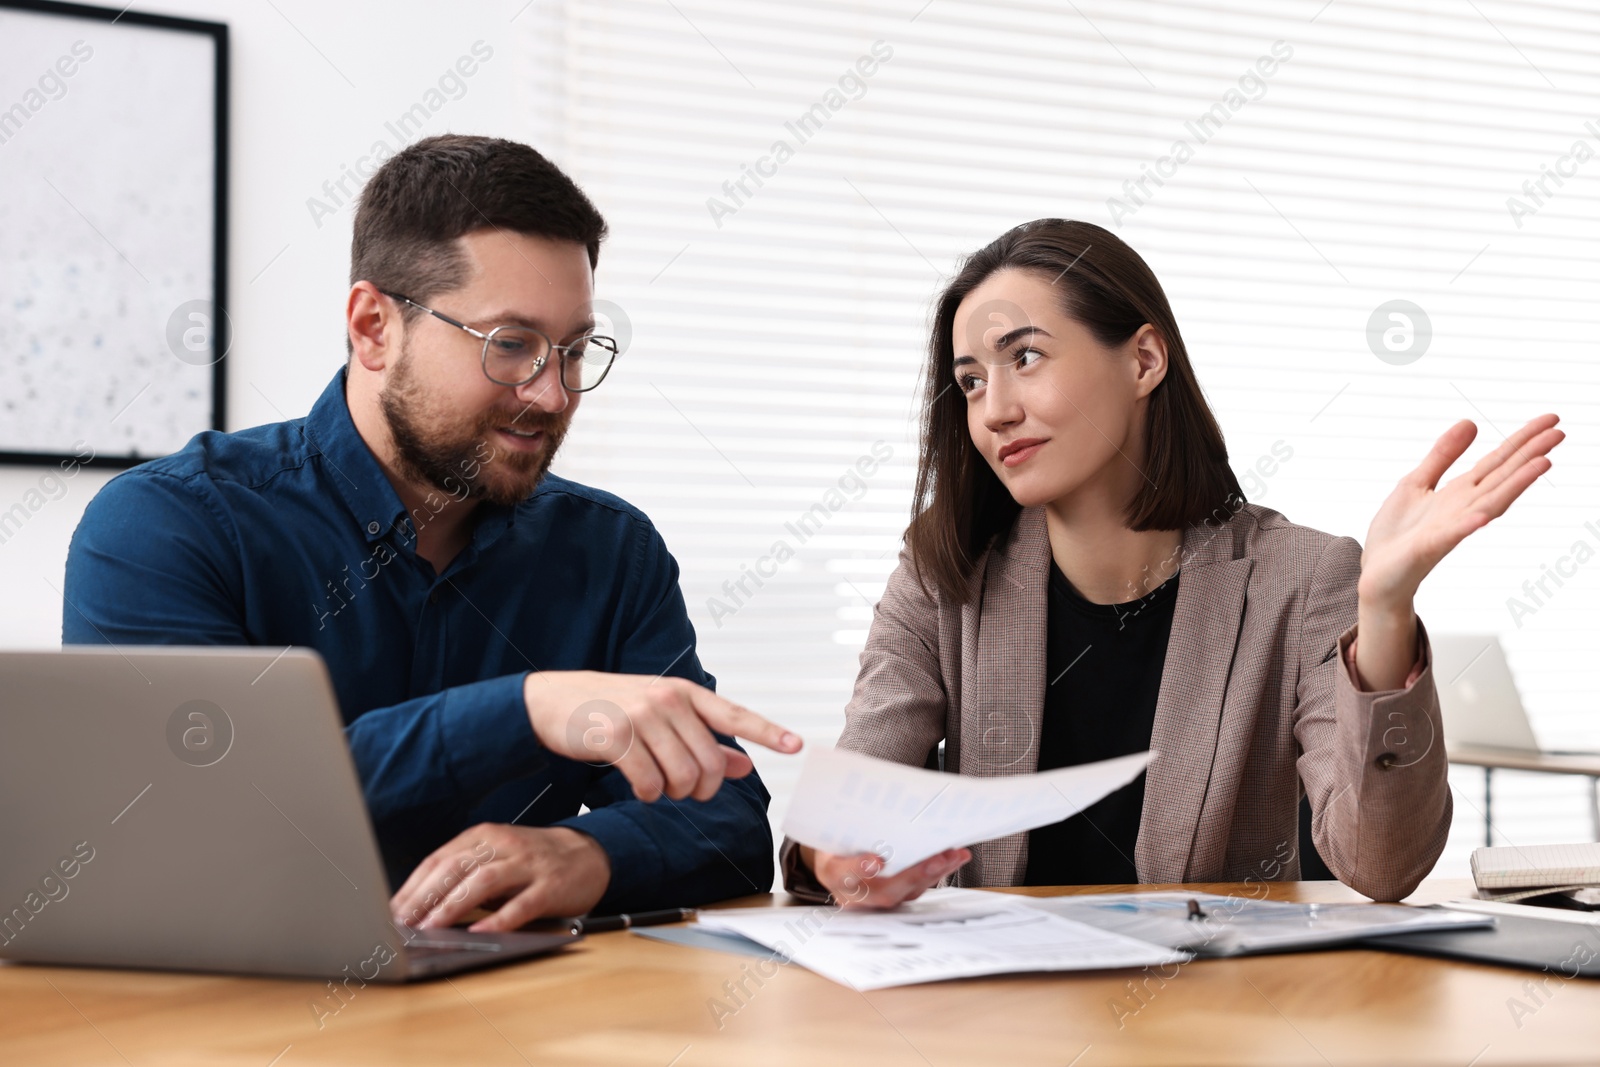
(1102, 677)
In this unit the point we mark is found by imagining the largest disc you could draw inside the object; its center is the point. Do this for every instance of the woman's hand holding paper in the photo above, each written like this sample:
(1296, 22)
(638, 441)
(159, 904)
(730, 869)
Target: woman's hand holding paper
(854, 881)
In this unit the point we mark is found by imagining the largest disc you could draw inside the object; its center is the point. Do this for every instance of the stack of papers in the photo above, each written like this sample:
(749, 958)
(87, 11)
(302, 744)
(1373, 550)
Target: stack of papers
(847, 803)
(965, 933)
(1241, 926)
(947, 933)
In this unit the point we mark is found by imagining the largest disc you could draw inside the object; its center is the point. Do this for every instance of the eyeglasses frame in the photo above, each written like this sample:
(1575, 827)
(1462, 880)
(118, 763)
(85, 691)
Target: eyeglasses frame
(483, 356)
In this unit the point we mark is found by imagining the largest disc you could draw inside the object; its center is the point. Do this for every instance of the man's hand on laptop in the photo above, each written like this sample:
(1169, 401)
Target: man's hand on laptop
(656, 731)
(536, 871)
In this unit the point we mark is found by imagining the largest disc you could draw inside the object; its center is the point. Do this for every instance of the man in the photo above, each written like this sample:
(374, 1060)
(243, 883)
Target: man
(506, 645)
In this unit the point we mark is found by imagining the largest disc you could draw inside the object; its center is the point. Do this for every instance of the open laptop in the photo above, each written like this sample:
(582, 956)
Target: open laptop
(1477, 695)
(198, 809)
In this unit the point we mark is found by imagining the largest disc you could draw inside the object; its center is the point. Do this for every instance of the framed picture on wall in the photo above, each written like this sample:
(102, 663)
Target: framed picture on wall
(113, 202)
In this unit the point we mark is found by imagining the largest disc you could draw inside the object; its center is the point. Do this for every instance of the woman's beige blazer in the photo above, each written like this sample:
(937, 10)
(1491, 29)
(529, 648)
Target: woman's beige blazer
(1256, 698)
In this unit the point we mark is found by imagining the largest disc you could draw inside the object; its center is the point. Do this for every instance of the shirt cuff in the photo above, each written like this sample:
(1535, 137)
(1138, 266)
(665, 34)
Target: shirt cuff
(798, 879)
(485, 731)
(638, 869)
(1350, 664)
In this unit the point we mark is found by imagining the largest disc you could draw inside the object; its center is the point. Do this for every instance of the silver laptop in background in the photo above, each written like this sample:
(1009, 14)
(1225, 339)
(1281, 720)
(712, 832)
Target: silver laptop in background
(1477, 695)
(198, 809)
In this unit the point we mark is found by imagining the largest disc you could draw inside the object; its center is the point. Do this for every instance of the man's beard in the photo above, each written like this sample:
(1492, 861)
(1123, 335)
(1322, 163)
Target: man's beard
(468, 465)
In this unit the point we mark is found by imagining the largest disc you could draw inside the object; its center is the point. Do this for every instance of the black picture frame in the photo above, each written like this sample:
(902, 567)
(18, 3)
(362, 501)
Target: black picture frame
(218, 33)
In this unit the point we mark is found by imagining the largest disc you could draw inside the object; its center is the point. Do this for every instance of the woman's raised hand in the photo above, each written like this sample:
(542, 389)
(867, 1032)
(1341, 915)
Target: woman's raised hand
(1421, 522)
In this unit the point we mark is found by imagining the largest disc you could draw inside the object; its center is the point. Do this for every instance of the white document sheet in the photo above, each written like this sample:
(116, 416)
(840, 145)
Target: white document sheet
(847, 803)
(946, 933)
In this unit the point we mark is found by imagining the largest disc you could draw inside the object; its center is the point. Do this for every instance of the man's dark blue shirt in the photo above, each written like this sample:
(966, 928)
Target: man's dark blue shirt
(291, 534)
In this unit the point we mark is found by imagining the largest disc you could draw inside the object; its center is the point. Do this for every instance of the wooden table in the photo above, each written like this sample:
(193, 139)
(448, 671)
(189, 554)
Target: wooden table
(620, 999)
(1584, 764)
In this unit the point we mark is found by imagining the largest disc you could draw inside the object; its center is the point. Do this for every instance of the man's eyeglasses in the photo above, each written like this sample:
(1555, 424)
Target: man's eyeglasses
(514, 355)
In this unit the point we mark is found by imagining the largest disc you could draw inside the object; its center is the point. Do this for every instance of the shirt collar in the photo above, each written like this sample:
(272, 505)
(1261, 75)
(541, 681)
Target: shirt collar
(353, 469)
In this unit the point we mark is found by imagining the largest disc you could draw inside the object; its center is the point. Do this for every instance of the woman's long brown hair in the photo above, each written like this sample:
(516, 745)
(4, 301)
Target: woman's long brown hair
(961, 505)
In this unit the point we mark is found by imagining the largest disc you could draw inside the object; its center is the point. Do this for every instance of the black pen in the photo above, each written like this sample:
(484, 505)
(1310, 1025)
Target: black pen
(600, 924)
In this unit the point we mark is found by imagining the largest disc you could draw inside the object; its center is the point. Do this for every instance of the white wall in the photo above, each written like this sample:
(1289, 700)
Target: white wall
(313, 85)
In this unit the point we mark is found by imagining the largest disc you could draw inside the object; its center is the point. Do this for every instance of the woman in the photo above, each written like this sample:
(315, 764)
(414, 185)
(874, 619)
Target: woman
(1083, 579)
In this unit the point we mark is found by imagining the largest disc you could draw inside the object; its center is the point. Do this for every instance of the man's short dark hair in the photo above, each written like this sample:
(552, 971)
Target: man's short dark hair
(414, 208)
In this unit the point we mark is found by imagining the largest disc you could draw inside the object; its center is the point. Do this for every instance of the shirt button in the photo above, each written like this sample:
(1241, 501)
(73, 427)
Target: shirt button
(433, 597)
(1387, 760)
(373, 527)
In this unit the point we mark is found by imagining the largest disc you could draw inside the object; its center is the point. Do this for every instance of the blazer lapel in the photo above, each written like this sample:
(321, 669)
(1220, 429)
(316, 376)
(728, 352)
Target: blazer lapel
(1003, 710)
(1206, 621)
